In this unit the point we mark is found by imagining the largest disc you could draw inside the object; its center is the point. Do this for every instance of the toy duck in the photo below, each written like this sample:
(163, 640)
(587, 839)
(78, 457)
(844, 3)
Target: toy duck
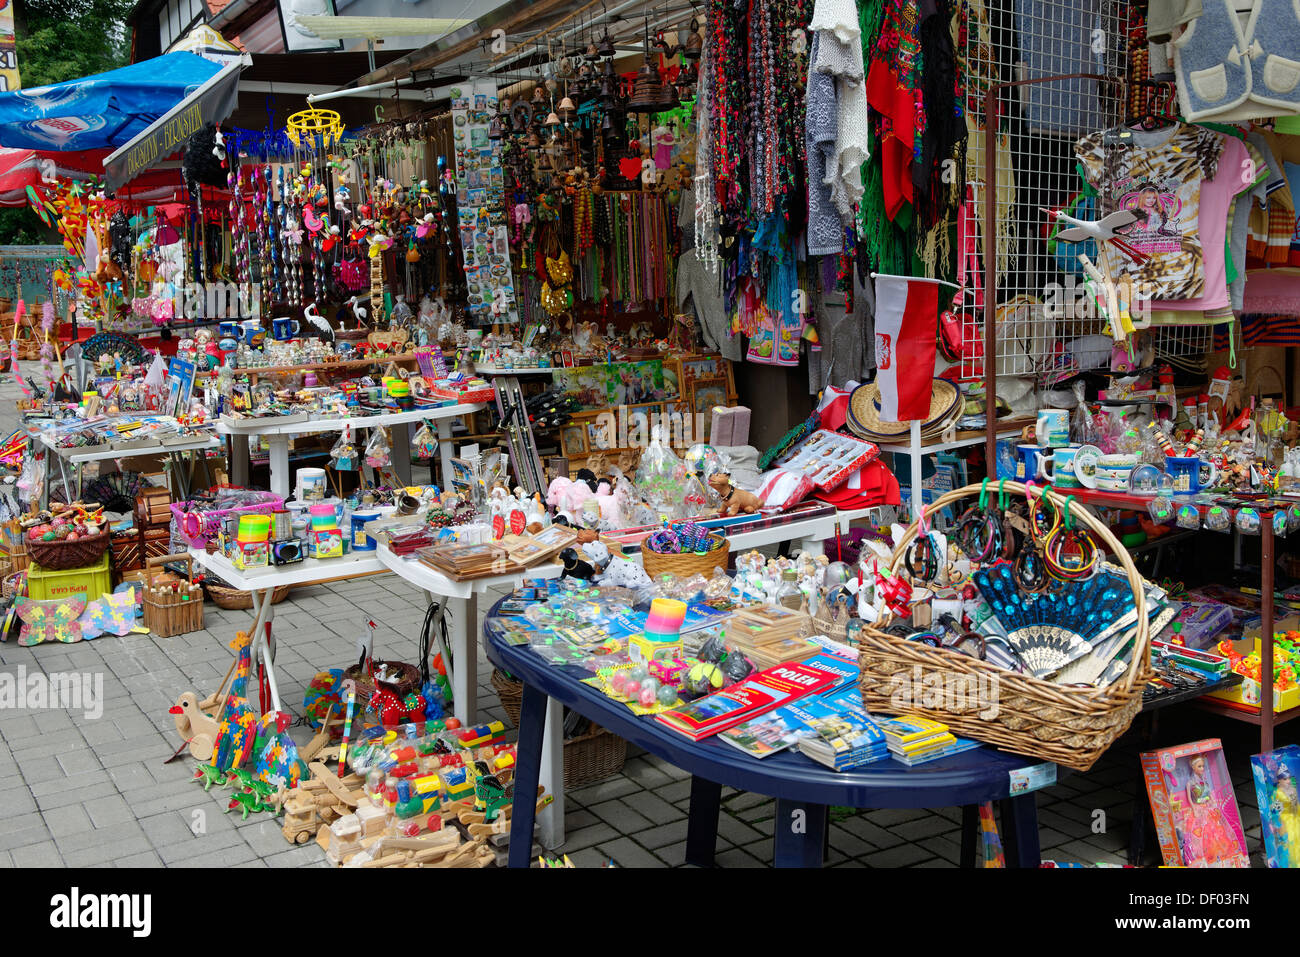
(199, 729)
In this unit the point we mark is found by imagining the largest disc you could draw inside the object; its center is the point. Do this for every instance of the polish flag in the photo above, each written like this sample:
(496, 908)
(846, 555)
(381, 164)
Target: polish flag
(907, 322)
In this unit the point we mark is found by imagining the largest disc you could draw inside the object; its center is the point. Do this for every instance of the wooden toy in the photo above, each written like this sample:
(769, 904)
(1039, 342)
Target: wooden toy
(235, 732)
(195, 728)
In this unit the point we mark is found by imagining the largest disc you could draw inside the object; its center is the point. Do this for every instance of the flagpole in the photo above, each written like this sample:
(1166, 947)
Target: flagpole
(941, 282)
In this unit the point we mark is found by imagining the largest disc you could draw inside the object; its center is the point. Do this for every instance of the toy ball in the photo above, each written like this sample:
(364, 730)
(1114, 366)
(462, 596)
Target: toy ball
(647, 698)
(619, 681)
(637, 673)
(703, 460)
(837, 573)
(651, 684)
(667, 695)
(703, 678)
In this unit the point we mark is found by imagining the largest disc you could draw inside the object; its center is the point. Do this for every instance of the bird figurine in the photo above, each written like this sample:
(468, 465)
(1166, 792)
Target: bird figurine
(1105, 229)
(235, 729)
(359, 311)
(319, 322)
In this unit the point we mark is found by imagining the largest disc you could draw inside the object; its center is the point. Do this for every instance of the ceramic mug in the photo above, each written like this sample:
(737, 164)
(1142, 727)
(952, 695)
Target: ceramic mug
(1185, 470)
(1028, 462)
(1114, 472)
(251, 327)
(283, 328)
(1053, 428)
(1061, 471)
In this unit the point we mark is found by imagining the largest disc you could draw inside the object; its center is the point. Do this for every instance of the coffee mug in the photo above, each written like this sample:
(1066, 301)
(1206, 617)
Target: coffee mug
(1053, 427)
(1114, 472)
(283, 328)
(1061, 471)
(1028, 462)
(228, 330)
(1185, 470)
(251, 328)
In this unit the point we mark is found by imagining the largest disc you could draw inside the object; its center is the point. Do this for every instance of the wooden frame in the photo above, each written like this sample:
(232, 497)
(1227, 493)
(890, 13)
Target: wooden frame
(705, 394)
(573, 439)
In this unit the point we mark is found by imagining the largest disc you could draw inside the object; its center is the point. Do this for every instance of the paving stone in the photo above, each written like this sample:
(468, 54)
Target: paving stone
(737, 858)
(621, 817)
(296, 856)
(67, 820)
(44, 854)
(848, 843)
(147, 859)
(588, 837)
(929, 826)
(29, 829)
(231, 856)
(651, 805)
(191, 847)
(645, 773)
(108, 852)
(677, 791)
(946, 848)
(608, 789)
(625, 852)
(663, 835)
(871, 833)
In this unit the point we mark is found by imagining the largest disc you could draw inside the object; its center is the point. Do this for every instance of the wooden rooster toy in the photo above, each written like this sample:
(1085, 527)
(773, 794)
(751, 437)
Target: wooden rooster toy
(235, 732)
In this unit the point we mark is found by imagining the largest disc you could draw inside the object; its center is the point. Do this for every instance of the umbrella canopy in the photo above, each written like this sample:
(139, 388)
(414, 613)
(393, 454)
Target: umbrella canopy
(20, 169)
(103, 111)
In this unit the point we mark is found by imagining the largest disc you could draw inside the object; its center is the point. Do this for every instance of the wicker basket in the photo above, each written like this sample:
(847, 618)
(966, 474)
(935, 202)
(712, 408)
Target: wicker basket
(232, 599)
(591, 757)
(408, 684)
(64, 556)
(1069, 725)
(172, 609)
(686, 564)
(831, 622)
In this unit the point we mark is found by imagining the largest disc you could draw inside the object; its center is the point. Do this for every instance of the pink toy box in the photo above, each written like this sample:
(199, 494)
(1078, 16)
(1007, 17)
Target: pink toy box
(1194, 806)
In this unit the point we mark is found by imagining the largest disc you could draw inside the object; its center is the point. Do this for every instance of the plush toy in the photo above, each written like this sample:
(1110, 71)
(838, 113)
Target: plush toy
(625, 573)
(734, 500)
(567, 496)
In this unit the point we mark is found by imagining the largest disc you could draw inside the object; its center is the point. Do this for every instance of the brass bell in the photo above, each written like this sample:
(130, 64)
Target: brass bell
(605, 46)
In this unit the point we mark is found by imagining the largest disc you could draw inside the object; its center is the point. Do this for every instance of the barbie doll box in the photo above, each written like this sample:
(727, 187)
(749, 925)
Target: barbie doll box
(1194, 806)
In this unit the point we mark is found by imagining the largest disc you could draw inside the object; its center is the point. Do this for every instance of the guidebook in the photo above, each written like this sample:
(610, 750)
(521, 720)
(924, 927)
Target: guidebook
(842, 734)
(757, 694)
(780, 728)
(913, 736)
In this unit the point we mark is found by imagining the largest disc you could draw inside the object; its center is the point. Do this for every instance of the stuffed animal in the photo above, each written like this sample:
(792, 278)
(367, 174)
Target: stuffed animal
(625, 573)
(567, 495)
(735, 501)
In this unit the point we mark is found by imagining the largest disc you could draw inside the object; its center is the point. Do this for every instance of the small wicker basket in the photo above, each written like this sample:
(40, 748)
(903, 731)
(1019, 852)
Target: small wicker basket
(64, 556)
(686, 564)
(1072, 726)
(588, 758)
(232, 599)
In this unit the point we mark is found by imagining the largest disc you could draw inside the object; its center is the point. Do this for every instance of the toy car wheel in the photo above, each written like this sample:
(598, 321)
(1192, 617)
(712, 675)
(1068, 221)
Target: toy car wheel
(302, 837)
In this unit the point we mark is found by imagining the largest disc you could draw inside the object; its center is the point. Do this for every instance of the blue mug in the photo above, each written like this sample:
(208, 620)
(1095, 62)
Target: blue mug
(1029, 462)
(1185, 470)
(283, 329)
(1061, 474)
(228, 330)
(251, 328)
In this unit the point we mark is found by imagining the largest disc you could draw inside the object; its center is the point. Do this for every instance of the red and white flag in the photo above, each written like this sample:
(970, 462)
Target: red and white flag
(907, 320)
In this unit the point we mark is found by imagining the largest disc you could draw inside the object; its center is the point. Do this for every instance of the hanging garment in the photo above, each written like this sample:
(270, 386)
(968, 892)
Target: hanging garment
(1057, 39)
(1230, 72)
(825, 235)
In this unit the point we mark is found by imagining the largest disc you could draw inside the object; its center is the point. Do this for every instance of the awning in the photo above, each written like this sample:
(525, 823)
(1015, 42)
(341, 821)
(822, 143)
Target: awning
(210, 103)
(20, 169)
(144, 110)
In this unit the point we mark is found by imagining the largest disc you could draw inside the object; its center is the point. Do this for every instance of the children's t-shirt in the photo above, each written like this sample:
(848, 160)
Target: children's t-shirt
(1159, 176)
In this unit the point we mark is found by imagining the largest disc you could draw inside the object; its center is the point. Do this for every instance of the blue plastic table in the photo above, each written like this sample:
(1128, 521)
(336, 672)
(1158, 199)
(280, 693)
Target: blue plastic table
(803, 788)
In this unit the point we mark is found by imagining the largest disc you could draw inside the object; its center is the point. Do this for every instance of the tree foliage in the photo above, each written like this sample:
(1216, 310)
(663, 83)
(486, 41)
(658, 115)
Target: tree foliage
(67, 39)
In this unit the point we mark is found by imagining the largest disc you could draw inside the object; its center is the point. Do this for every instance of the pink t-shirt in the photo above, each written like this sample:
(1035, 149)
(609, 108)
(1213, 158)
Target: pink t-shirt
(1236, 174)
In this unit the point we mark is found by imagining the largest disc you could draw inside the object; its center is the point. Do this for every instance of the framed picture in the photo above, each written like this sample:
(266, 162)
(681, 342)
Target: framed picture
(573, 440)
(297, 38)
(705, 394)
(598, 437)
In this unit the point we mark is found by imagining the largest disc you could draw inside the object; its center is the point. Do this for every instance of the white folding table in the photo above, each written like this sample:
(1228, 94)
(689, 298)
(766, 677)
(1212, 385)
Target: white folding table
(278, 434)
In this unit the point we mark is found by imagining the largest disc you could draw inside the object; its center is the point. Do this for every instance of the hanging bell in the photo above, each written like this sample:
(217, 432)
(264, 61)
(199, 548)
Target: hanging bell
(539, 95)
(567, 108)
(694, 42)
(593, 52)
(552, 119)
(605, 46)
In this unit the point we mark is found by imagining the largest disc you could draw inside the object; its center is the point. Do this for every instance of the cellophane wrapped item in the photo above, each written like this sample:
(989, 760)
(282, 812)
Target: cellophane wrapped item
(667, 483)
(424, 444)
(343, 455)
(379, 452)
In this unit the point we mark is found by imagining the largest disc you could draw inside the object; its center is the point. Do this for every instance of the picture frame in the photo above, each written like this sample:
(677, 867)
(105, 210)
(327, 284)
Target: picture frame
(705, 394)
(573, 440)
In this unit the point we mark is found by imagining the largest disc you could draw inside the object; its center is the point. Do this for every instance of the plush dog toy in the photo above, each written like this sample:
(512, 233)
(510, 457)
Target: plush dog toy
(734, 500)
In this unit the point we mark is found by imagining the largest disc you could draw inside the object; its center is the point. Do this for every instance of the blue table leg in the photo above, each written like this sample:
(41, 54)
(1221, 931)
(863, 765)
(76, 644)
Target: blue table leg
(528, 752)
(1020, 831)
(798, 834)
(702, 823)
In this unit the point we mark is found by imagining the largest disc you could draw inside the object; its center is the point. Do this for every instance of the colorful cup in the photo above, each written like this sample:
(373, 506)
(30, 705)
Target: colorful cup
(1028, 462)
(1053, 427)
(1061, 471)
(1114, 472)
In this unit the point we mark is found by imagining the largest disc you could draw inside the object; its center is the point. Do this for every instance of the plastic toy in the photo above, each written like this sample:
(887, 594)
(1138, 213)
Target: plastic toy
(1276, 775)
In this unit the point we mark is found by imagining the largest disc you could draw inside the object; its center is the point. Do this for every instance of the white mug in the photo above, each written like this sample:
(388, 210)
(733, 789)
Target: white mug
(1053, 428)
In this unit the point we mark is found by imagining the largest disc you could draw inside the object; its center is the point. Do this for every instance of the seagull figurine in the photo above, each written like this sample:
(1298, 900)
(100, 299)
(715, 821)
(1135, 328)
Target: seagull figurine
(1103, 230)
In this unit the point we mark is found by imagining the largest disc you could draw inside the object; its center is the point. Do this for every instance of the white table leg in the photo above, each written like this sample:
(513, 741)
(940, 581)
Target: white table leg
(551, 820)
(444, 453)
(279, 445)
(261, 643)
(464, 650)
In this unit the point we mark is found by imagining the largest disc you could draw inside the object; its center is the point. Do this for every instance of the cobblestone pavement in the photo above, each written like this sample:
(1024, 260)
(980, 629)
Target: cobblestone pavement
(79, 792)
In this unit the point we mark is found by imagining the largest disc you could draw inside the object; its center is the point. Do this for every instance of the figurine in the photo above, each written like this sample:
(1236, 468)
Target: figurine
(735, 501)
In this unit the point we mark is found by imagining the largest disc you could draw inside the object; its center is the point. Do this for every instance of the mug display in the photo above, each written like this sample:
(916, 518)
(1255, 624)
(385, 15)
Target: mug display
(1114, 472)
(1053, 428)
(1058, 468)
(1186, 471)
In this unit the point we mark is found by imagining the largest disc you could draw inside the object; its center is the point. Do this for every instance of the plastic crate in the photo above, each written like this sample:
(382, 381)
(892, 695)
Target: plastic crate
(93, 581)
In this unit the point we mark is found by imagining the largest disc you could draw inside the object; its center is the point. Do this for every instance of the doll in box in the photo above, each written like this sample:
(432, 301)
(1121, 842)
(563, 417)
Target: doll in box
(1276, 776)
(1207, 835)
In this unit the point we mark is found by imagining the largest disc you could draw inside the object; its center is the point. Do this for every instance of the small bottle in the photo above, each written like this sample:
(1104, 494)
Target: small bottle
(789, 595)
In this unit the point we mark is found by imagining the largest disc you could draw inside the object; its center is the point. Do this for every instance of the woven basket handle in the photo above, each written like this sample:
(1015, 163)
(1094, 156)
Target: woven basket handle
(1142, 637)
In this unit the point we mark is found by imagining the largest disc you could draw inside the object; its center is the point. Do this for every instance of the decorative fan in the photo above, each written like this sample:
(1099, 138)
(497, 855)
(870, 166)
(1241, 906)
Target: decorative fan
(1052, 629)
(116, 491)
(107, 343)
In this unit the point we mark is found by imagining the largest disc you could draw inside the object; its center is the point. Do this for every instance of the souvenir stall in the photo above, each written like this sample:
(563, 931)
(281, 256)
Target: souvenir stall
(1041, 283)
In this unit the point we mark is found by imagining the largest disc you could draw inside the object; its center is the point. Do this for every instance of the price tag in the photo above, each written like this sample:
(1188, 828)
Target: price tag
(1032, 778)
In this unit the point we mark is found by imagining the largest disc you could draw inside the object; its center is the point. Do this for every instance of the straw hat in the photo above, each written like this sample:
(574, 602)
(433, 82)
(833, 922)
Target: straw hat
(864, 412)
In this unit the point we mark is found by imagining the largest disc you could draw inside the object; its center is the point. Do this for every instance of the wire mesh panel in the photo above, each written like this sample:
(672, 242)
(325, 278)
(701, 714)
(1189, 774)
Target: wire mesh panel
(1042, 303)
